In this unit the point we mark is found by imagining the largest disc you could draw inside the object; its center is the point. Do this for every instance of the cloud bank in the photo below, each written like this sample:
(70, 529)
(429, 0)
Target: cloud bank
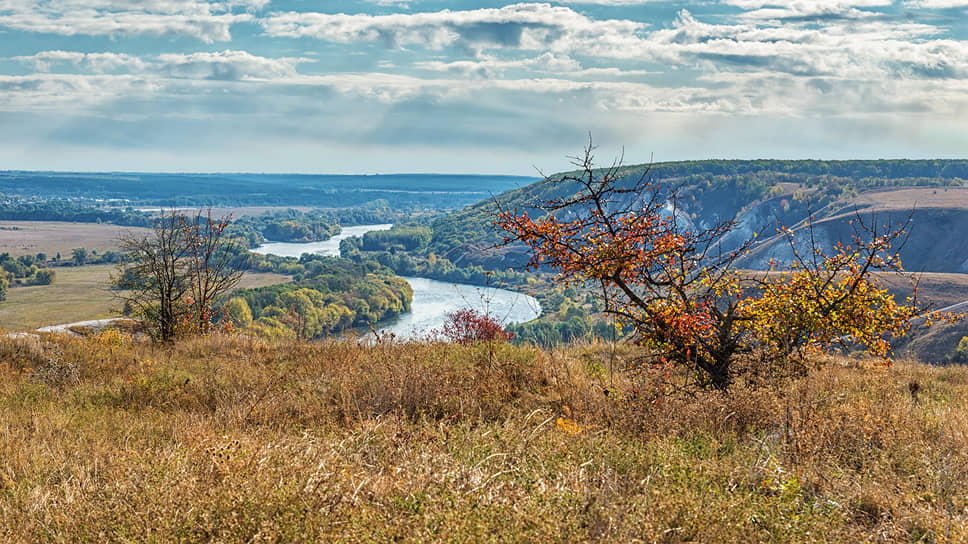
(506, 81)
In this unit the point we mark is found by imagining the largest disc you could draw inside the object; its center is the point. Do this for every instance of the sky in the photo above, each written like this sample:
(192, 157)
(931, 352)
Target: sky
(387, 86)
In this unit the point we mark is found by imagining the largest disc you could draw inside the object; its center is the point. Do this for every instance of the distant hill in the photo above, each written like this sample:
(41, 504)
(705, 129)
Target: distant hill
(762, 194)
(400, 191)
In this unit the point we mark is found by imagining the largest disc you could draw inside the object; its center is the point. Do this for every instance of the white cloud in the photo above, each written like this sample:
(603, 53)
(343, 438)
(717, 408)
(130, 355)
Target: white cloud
(67, 93)
(524, 26)
(207, 21)
(227, 66)
(614, 2)
(809, 5)
(95, 62)
(491, 67)
(542, 68)
(936, 4)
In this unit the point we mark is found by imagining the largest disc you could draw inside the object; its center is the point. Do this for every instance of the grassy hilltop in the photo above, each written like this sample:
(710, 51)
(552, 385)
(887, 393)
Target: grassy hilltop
(228, 439)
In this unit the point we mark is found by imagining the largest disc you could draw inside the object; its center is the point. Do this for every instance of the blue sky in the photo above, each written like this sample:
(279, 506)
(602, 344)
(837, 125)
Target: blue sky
(492, 87)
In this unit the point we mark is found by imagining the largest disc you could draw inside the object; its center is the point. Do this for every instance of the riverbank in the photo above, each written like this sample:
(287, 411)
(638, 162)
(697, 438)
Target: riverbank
(433, 299)
(328, 247)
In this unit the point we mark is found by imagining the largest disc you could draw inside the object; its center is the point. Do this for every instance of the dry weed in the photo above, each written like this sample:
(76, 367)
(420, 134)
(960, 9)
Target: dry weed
(234, 439)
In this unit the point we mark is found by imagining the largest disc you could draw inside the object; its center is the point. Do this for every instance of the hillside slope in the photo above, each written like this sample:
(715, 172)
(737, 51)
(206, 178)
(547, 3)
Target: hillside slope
(759, 195)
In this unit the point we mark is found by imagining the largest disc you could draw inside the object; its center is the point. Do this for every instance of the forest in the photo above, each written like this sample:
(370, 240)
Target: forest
(292, 225)
(332, 296)
(422, 191)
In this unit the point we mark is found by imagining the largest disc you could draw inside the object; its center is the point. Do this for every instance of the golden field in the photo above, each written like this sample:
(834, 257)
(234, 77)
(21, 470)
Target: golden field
(81, 293)
(231, 439)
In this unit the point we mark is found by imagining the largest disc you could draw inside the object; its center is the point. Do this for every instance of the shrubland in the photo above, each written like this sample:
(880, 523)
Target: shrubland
(234, 439)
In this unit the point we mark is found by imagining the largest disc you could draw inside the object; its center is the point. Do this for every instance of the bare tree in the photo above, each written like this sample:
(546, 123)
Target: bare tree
(172, 277)
(213, 267)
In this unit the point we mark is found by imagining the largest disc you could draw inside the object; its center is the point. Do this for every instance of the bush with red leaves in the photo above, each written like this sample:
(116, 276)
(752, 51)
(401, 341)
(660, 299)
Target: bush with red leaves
(466, 326)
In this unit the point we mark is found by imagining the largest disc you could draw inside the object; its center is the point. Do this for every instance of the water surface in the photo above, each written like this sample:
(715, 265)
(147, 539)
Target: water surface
(433, 300)
(327, 247)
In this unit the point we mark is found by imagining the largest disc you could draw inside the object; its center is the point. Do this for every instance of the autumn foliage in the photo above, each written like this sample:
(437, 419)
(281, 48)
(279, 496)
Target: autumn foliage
(678, 286)
(822, 299)
(467, 326)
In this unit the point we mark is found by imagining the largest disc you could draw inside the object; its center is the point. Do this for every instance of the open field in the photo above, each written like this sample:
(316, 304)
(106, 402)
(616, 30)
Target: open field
(936, 289)
(913, 197)
(52, 237)
(227, 439)
(78, 293)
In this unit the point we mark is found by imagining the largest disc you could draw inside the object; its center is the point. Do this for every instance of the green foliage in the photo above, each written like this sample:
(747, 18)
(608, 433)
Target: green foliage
(43, 276)
(68, 210)
(334, 295)
(14, 268)
(408, 238)
(961, 352)
(548, 333)
(25, 270)
(78, 256)
(238, 312)
(305, 226)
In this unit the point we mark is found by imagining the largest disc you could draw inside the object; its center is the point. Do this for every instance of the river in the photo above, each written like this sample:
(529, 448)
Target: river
(327, 247)
(432, 299)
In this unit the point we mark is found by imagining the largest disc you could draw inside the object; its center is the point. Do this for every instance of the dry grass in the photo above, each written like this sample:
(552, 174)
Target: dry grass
(78, 294)
(913, 197)
(51, 237)
(235, 440)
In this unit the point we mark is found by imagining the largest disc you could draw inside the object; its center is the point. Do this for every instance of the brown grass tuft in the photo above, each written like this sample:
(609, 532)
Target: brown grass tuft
(233, 439)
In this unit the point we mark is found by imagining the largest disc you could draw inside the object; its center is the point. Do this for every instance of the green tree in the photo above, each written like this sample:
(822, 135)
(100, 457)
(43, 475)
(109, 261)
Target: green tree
(79, 256)
(961, 352)
(43, 276)
(238, 312)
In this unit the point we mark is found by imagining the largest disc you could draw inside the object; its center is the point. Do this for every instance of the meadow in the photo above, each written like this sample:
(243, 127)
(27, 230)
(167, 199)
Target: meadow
(52, 237)
(80, 293)
(233, 439)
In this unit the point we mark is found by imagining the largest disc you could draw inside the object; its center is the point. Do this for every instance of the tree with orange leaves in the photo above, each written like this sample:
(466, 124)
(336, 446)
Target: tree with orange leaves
(678, 288)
